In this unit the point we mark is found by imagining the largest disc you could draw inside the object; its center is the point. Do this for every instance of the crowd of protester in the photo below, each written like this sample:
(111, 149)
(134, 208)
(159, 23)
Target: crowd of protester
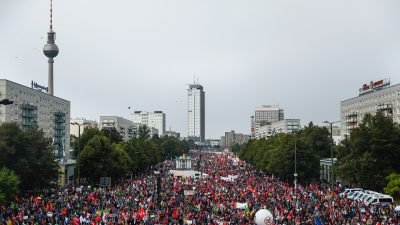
(208, 199)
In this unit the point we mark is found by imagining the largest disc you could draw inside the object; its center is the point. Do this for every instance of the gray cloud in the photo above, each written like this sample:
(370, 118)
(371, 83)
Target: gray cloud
(306, 56)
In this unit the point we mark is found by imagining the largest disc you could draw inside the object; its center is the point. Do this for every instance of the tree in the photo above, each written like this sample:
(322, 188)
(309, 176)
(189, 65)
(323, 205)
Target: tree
(170, 147)
(144, 132)
(371, 153)
(139, 155)
(100, 158)
(87, 134)
(29, 154)
(186, 146)
(121, 161)
(95, 159)
(8, 185)
(113, 135)
(318, 139)
(277, 153)
(393, 186)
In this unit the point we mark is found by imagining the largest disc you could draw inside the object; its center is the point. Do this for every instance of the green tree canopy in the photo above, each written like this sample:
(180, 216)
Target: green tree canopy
(276, 154)
(100, 158)
(144, 132)
(371, 153)
(8, 185)
(170, 147)
(113, 135)
(393, 186)
(87, 134)
(122, 162)
(95, 159)
(29, 154)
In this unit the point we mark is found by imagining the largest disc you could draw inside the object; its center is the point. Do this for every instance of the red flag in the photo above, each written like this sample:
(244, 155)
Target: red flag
(175, 214)
(76, 221)
(290, 215)
(141, 214)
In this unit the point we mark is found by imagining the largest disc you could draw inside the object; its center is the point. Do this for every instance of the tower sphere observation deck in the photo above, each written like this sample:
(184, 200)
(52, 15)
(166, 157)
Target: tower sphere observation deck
(50, 50)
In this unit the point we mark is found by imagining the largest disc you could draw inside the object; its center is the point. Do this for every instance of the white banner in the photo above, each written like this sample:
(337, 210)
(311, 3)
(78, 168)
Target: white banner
(188, 192)
(229, 178)
(241, 205)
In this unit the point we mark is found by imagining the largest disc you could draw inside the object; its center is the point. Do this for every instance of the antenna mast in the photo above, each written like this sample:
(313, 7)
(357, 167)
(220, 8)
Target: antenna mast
(51, 14)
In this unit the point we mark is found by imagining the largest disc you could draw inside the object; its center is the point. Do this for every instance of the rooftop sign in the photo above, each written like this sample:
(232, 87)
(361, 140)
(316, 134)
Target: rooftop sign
(374, 86)
(38, 87)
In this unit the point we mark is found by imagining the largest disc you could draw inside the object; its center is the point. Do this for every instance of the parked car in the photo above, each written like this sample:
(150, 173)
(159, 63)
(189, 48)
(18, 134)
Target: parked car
(372, 192)
(361, 197)
(347, 191)
(357, 195)
(351, 194)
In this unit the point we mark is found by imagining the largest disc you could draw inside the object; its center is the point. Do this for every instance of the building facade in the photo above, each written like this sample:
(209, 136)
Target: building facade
(196, 113)
(172, 134)
(285, 126)
(231, 138)
(154, 119)
(265, 115)
(376, 97)
(335, 133)
(123, 126)
(215, 143)
(34, 107)
(74, 129)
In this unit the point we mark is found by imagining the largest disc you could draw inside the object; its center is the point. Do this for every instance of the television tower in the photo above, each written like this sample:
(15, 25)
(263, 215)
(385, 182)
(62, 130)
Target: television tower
(51, 50)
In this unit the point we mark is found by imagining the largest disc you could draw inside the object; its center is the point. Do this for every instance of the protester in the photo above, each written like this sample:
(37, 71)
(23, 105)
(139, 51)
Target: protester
(230, 194)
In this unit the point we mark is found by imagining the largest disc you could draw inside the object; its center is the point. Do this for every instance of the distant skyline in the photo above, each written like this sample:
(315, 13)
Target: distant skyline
(305, 56)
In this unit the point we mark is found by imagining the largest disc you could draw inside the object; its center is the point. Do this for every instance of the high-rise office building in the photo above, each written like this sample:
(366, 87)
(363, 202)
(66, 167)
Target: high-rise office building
(154, 119)
(375, 97)
(196, 113)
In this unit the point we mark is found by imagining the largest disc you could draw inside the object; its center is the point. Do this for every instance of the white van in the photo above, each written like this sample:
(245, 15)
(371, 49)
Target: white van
(378, 199)
(347, 191)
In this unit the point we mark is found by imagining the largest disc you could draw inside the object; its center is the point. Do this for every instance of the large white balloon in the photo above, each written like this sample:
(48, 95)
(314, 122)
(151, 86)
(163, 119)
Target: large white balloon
(263, 217)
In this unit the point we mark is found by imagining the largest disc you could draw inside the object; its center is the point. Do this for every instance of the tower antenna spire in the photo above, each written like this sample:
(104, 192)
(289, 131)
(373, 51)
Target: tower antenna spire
(51, 14)
(50, 50)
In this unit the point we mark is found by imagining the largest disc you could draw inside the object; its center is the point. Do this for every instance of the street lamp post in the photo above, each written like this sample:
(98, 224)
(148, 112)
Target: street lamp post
(158, 179)
(170, 147)
(332, 178)
(79, 148)
(295, 176)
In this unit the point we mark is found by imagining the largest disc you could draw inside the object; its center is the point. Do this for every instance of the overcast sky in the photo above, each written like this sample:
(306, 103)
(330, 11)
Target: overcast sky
(306, 56)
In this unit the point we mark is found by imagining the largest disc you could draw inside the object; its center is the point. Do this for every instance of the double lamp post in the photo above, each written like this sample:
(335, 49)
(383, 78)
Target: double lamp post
(79, 149)
(332, 180)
